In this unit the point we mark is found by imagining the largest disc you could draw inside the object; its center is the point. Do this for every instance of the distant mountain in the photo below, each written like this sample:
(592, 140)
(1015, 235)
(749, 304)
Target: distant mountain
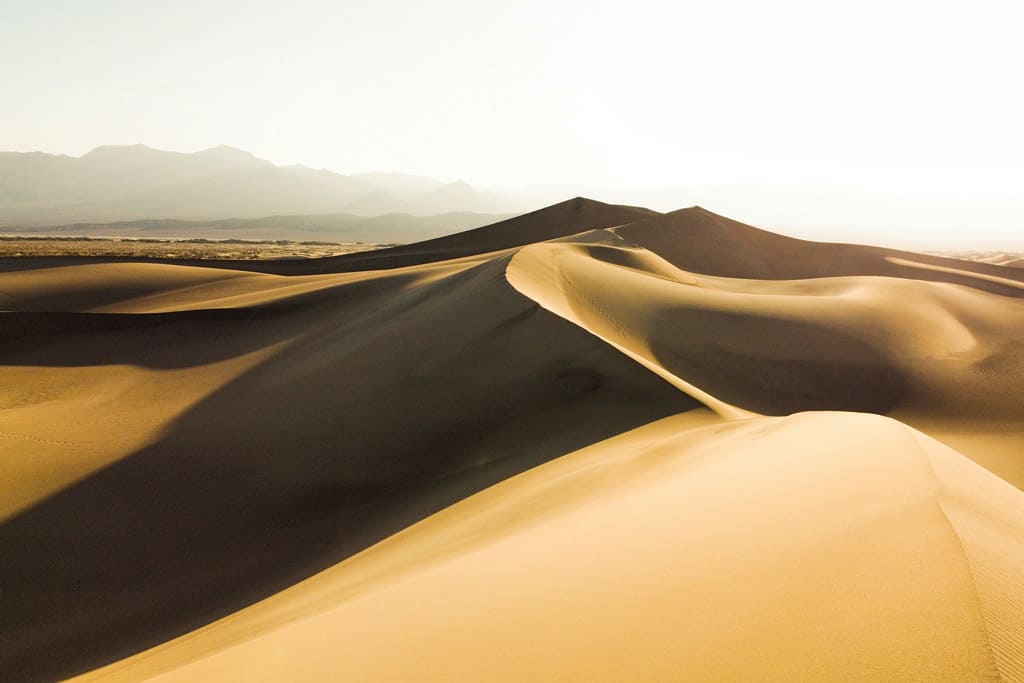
(110, 172)
(127, 183)
(401, 186)
(461, 194)
(133, 182)
(250, 193)
(375, 203)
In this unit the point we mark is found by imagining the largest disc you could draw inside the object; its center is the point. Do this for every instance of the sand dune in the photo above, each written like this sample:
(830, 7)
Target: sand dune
(565, 218)
(185, 440)
(697, 240)
(347, 416)
(823, 546)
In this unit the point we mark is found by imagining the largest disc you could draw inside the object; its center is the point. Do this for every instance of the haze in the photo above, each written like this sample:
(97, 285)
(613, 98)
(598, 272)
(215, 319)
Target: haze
(908, 100)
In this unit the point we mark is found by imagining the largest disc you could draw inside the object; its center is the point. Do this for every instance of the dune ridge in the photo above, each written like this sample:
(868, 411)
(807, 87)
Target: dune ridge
(322, 444)
(293, 453)
(700, 241)
(876, 536)
(892, 344)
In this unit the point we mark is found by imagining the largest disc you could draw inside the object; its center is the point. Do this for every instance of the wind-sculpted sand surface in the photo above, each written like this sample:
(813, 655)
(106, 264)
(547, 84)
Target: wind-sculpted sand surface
(593, 442)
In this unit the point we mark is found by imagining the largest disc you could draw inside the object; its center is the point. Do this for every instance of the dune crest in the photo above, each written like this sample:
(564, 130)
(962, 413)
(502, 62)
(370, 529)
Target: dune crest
(819, 546)
(251, 470)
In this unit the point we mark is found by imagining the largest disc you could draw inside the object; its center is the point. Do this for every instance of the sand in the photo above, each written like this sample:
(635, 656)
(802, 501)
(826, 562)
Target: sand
(860, 550)
(589, 443)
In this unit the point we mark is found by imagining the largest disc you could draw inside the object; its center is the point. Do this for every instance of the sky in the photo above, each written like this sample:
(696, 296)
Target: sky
(905, 98)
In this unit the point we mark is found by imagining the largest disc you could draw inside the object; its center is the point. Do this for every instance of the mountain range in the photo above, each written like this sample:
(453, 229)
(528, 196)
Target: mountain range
(136, 182)
(126, 183)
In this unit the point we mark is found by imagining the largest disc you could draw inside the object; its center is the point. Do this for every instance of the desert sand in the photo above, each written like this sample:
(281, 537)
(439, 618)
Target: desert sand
(593, 442)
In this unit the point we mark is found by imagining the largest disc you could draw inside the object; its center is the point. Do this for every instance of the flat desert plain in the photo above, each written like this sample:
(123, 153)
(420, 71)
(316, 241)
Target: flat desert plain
(589, 443)
(180, 249)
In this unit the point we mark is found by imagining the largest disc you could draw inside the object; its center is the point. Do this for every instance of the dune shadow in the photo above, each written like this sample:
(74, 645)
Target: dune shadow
(345, 436)
(185, 338)
(776, 366)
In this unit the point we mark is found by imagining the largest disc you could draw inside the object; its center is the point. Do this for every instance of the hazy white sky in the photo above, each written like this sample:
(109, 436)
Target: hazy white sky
(906, 97)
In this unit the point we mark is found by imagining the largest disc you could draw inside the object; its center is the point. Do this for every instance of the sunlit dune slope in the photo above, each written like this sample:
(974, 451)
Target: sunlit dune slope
(227, 452)
(864, 343)
(182, 440)
(824, 546)
(942, 356)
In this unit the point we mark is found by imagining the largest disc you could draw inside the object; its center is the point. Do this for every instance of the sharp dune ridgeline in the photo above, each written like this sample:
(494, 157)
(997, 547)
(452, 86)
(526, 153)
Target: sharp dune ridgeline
(592, 442)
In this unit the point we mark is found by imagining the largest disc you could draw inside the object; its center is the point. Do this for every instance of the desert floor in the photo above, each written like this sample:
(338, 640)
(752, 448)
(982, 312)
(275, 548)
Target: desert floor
(189, 249)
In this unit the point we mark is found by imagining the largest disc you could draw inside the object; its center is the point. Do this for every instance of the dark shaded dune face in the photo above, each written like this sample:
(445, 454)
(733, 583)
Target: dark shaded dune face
(74, 339)
(559, 220)
(775, 366)
(773, 355)
(616, 257)
(702, 242)
(20, 264)
(371, 417)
